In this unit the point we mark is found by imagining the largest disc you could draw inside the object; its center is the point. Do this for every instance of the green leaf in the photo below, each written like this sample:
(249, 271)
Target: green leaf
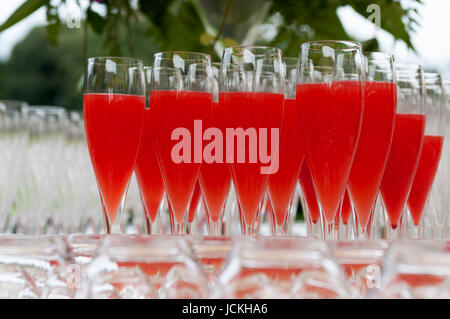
(155, 10)
(305, 21)
(96, 21)
(392, 15)
(371, 45)
(27, 8)
(53, 32)
(53, 24)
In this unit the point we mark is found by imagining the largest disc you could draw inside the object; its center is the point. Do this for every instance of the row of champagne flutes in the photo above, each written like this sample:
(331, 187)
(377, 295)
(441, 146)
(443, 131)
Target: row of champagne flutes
(47, 183)
(349, 126)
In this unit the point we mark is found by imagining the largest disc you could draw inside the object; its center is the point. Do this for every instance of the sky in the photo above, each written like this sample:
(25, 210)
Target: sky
(432, 39)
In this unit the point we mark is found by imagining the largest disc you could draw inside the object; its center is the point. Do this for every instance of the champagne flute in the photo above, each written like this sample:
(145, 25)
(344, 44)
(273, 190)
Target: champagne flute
(421, 212)
(252, 90)
(177, 110)
(282, 184)
(113, 103)
(214, 177)
(375, 138)
(331, 100)
(148, 173)
(406, 145)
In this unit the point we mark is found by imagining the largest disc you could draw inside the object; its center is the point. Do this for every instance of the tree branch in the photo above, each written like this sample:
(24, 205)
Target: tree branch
(222, 24)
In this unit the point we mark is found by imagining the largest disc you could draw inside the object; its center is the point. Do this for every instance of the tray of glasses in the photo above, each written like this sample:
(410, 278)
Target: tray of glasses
(162, 267)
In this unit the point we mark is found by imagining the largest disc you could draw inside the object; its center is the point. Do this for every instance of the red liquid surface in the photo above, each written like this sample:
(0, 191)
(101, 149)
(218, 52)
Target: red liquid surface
(428, 165)
(346, 210)
(309, 193)
(280, 276)
(331, 116)
(251, 110)
(419, 280)
(148, 173)
(402, 164)
(215, 178)
(373, 147)
(281, 185)
(178, 110)
(113, 124)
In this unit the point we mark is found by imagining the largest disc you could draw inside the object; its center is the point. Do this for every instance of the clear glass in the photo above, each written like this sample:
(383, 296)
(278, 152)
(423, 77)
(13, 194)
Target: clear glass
(147, 171)
(47, 136)
(282, 184)
(331, 100)
(113, 103)
(84, 247)
(347, 218)
(406, 146)
(167, 263)
(310, 204)
(214, 176)
(444, 187)
(415, 270)
(361, 262)
(251, 82)
(427, 210)
(186, 107)
(380, 102)
(27, 264)
(13, 142)
(212, 252)
(275, 267)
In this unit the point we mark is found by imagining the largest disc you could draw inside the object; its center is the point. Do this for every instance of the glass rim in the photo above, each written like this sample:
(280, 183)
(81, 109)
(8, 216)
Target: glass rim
(233, 49)
(433, 79)
(172, 53)
(126, 60)
(405, 66)
(166, 70)
(433, 75)
(292, 59)
(202, 61)
(47, 108)
(351, 45)
(377, 55)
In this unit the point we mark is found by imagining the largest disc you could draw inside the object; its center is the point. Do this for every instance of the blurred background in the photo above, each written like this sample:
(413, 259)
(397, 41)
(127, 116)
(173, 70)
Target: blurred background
(47, 184)
(43, 43)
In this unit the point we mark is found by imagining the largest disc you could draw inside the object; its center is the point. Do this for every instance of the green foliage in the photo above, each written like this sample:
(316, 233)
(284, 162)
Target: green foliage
(181, 24)
(392, 14)
(317, 19)
(27, 8)
(47, 74)
(96, 21)
(41, 73)
(53, 24)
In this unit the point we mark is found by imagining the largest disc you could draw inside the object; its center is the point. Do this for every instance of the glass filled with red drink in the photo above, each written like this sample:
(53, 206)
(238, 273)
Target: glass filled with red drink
(113, 105)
